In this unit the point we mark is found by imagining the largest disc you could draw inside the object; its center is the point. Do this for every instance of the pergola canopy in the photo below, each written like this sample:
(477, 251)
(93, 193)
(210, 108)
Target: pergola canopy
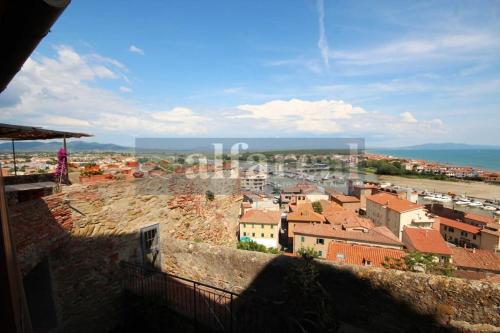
(16, 132)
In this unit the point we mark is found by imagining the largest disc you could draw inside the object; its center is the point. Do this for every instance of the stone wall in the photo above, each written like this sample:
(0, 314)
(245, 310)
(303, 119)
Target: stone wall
(372, 299)
(87, 229)
(39, 227)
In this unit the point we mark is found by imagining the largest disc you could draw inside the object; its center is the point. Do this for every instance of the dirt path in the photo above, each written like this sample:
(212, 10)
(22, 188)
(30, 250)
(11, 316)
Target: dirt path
(473, 189)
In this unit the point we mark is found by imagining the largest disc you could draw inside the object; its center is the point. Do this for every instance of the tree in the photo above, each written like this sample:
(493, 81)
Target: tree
(309, 306)
(427, 262)
(317, 207)
(254, 246)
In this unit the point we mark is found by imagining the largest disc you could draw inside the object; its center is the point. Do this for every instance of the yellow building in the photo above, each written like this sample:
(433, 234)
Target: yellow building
(261, 226)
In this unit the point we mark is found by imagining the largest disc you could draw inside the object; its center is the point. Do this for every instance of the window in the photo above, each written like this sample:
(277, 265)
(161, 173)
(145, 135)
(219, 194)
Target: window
(463, 233)
(244, 234)
(271, 235)
(262, 226)
(272, 226)
(320, 253)
(320, 241)
(262, 235)
(302, 239)
(253, 225)
(150, 246)
(367, 262)
(451, 229)
(253, 234)
(473, 236)
(243, 225)
(445, 228)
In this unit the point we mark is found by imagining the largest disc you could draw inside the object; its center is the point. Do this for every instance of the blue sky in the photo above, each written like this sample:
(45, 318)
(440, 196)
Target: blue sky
(393, 72)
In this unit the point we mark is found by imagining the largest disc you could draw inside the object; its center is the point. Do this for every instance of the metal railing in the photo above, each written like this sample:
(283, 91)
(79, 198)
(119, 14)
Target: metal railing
(209, 306)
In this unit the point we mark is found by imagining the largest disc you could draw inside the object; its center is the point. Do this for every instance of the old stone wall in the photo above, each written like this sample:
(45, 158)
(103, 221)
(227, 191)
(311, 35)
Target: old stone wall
(373, 299)
(87, 229)
(39, 227)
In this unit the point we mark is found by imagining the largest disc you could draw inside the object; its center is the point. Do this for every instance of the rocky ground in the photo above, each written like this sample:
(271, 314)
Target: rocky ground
(121, 206)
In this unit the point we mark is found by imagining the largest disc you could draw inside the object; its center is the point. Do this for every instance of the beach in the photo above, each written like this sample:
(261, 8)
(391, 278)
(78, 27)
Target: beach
(471, 188)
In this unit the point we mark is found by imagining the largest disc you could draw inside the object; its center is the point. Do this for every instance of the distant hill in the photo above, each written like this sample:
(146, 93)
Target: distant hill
(448, 146)
(37, 146)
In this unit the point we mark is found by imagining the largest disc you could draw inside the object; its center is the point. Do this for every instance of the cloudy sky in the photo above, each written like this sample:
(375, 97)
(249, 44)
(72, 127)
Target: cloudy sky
(393, 72)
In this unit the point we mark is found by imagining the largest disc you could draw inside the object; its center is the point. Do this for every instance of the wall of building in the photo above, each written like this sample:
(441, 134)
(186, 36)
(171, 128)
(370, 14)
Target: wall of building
(376, 212)
(489, 241)
(369, 298)
(458, 238)
(265, 234)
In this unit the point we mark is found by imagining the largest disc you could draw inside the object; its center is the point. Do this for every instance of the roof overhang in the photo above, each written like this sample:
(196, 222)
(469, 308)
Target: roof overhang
(16, 132)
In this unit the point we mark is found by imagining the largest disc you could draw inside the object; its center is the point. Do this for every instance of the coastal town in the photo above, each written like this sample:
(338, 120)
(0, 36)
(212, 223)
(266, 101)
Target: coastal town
(228, 166)
(344, 219)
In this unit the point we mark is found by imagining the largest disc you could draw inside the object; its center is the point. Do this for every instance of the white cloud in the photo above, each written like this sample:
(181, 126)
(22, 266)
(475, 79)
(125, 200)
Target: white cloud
(125, 89)
(61, 92)
(333, 117)
(322, 42)
(304, 116)
(409, 50)
(135, 49)
(408, 118)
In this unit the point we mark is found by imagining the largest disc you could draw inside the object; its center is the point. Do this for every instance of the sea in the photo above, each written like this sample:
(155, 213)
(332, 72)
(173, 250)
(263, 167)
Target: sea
(488, 159)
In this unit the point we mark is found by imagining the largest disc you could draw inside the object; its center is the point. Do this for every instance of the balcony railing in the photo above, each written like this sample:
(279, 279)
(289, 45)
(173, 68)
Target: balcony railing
(208, 306)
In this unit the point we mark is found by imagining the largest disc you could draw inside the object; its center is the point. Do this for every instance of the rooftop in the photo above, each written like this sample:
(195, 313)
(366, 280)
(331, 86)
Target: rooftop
(347, 219)
(476, 259)
(360, 255)
(305, 216)
(378, 235)
(459, 225)
(345, 198)
(261, 216)
(479, 218)
(16, 132)
(425, 240)
(394, 202)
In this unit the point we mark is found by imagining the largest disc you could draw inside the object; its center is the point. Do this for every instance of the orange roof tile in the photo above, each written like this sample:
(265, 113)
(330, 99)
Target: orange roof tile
(359, 254)
(329, 206)
(479, 218)
(345, 198)
(303, 205)
(305, 216)
(458, 225)
(425, 240)
(347, 218)
(476, 259)
(378, 235)
(393, 202)
(261, 216)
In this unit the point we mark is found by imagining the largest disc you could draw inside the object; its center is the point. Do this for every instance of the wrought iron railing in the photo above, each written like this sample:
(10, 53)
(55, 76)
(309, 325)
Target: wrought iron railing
(209, 306)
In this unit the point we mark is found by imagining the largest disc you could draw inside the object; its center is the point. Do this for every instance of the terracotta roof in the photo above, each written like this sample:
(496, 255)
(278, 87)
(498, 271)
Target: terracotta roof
(261, 216)
(347, 218)
(425, 240)
(378, 235)
(479, 218)
(305, 216)
(359, 255)
(329, 206)
(304, 205)
(344, 198)
(476, 259)
(300, 188)
(459, 225)
(393, 202)
(492, 229)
